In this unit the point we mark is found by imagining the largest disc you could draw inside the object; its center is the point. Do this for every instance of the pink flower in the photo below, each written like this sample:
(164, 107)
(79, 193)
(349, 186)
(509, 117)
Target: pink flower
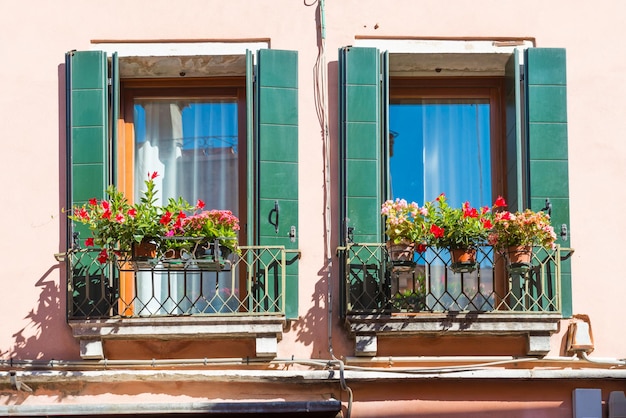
(119, 218)
(200, 204)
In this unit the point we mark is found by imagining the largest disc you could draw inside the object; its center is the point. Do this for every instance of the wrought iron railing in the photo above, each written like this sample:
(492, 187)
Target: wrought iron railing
(251, 282)
(430, 283)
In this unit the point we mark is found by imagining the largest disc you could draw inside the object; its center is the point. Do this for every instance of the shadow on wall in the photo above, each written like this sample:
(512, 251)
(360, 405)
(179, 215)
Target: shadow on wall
(46, 336)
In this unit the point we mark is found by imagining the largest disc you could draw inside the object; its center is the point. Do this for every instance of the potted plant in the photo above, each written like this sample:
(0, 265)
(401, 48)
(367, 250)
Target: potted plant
(119, 227)
(514, 234)
(460, 230)
(405, 227)
(200, 231)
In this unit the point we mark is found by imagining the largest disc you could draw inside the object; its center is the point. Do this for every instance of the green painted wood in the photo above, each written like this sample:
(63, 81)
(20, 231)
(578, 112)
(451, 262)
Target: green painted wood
(360, 145)
(87, 129)
(277, 158)
(515, 149)
(546, 110)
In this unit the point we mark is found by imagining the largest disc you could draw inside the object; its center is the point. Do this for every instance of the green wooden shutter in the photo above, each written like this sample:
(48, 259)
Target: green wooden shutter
(360, 145)
(546, 109)
(277, 159)
(87, 130)
(515, 146)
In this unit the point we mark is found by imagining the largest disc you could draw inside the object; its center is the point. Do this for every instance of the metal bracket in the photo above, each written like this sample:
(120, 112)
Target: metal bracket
(292, 233)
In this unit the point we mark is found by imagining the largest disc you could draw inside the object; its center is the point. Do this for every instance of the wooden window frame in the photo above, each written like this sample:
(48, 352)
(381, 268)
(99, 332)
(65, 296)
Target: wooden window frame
(490, 88)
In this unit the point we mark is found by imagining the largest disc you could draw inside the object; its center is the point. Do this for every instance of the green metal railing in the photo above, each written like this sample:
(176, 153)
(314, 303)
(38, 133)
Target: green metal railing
(251, 282)
(431, 283)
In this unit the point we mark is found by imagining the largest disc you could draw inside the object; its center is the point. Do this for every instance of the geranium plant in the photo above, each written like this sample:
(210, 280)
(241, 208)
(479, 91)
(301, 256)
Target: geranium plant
(404, 221)
(526, 228)
(203, 227)
(456, 228)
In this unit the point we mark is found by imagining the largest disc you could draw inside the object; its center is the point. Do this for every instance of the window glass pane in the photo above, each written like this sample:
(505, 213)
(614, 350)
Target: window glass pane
(193, 145)
(441, 145)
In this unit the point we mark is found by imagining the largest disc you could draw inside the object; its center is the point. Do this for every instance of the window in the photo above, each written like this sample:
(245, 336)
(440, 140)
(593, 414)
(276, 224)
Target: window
(222, 128)
(444, 136)
(400, 111)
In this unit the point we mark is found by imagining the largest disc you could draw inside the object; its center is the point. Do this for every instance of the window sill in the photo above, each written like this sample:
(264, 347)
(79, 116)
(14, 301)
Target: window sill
(537, 327)
(93, 333)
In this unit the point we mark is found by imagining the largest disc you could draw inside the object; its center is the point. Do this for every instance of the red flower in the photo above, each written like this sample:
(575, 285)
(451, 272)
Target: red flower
(181, 215)
(82, 214)
(486, 223)
(152, 176)
(484, 210)
(119, 218)
(132, 212)
(469, 212)
(93, 201)
(500, 202)
(106, 214)
(506, 216)
(105, 205)
(437, 231)
(441, 197)
(200, 204)
(89, 242)
(421, 248)
(166, 218)
(103, 257)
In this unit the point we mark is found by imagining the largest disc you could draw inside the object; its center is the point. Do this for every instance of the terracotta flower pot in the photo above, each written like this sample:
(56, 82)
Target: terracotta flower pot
(519, 254)
(463, 260)
(144, 250)
(402, 252)
(463, 255)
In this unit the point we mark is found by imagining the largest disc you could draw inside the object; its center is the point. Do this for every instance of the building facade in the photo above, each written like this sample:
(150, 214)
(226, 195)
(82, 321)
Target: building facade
(302, 118)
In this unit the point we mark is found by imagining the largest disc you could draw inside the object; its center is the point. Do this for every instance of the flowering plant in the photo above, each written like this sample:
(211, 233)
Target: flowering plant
(455, 228)
(404, 221)
(207, 225)
(116, 225)
(525, 228)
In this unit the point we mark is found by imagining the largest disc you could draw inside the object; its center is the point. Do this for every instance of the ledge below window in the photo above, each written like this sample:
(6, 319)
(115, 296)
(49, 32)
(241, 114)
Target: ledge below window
(537, 327)
(93, 333)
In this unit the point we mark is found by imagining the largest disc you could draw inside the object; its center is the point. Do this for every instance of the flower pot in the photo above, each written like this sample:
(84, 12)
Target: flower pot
(463, 260)
(144, 250)
(402, 252)
(519, 254)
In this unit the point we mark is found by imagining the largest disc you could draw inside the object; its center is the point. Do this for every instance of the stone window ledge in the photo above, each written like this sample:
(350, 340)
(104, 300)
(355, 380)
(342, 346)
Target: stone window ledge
(537, 327)
(92, 333)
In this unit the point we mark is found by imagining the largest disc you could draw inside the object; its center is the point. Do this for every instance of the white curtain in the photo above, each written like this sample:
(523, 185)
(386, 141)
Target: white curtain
(192, 145)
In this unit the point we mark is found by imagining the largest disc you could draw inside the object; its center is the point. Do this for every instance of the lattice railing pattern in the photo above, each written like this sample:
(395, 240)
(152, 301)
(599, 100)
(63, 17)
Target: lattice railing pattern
(252, 282)
(373, 284)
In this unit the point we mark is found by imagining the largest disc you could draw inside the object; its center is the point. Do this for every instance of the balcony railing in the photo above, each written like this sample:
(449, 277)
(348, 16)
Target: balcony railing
(249, 283)
(375, 285)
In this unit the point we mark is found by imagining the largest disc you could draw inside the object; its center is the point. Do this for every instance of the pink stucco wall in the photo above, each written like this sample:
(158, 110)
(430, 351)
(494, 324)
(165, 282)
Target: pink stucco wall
(36, 34)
